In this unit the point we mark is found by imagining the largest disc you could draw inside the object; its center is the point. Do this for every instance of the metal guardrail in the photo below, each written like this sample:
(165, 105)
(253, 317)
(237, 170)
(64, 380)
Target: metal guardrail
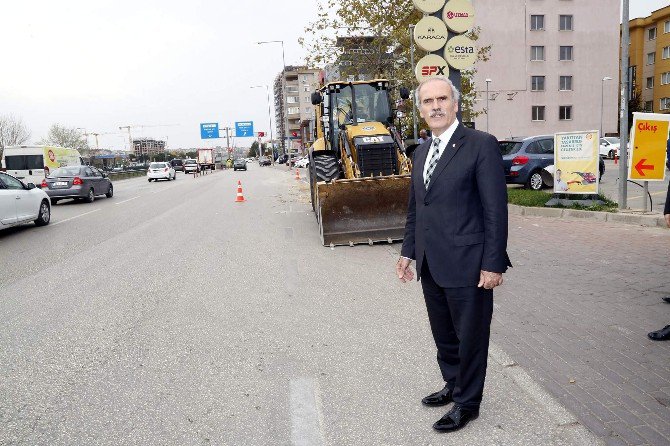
(126, 174)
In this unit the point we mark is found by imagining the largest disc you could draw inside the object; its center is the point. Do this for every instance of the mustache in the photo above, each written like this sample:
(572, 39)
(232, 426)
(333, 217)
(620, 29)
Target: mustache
(436, 113)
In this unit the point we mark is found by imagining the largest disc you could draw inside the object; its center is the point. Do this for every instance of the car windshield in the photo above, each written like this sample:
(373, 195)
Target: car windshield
(509, 147)
(612, 140)
(371, 103)
(157, 165)
(66, 171)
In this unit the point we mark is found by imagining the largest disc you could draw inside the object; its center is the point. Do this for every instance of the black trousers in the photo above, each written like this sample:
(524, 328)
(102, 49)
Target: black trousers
(460, 319)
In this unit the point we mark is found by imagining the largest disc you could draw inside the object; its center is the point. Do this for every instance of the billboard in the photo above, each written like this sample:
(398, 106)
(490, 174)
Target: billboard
(576, 158)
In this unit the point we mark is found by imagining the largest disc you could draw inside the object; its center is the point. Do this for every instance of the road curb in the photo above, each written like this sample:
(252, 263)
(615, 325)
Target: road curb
(653, 221)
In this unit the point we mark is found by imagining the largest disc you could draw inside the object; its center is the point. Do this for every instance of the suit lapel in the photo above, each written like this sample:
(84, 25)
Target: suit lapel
(421, 155)
(455, 143)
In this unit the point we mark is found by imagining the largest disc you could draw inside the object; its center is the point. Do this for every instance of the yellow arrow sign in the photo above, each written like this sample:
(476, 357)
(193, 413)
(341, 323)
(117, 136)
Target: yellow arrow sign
(649, 139)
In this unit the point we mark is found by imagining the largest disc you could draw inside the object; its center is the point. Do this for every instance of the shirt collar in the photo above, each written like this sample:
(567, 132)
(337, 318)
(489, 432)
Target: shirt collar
(447, 134)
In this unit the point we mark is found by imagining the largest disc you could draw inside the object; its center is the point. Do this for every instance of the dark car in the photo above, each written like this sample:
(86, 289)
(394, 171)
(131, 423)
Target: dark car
(264, 161)
(78, 182)
(525, 159)
(240, 164)
(282, 159)
(177, 165)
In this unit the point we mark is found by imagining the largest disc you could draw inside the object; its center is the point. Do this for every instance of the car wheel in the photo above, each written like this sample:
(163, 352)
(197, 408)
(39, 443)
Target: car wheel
(149, 180)
(44, 215)
(175, 176)
(535, 181)
(611, 155)
(91, 196)
(54, 201)
(110, 192)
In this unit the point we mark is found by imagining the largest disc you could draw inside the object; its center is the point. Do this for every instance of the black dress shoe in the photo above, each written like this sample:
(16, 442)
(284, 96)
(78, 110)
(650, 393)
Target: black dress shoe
(666, 299)
(661, 335)
(440, 398)
(457, 418)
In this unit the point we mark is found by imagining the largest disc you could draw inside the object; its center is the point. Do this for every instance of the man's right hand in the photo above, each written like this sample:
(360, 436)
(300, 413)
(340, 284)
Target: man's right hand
(404, 271)
(667, 219)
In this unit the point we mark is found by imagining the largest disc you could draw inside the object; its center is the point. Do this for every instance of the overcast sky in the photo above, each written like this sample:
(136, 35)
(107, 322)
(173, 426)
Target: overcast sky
(103, 64)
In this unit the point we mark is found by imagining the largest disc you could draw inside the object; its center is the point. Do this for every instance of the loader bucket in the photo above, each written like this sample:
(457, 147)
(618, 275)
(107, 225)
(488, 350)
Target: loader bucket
(363, 210)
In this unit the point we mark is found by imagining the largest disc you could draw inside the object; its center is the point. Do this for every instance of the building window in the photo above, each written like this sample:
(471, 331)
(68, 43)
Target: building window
(538, 112)
(306, 88)
(666, 26)
(292, 100)
(537, 83)
(666, 52)
(651, 58)
(649, 106)
(536, 22)
(565, 83)
(650, 82)
(665, 78)
(565, 112)
(565, 53)
(665, 104)
(565, 22)
(651, 33)
(294, 110)
(536, 53)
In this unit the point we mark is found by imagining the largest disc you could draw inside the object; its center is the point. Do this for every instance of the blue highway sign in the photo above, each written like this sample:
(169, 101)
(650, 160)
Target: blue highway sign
(244, 129)
(209, 130)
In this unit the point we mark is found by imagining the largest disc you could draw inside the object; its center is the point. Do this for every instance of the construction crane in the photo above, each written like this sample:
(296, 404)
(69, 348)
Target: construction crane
(130, 138)
(87, 134)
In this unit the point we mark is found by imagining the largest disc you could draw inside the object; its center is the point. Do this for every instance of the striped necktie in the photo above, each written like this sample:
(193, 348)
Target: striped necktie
(434, 158)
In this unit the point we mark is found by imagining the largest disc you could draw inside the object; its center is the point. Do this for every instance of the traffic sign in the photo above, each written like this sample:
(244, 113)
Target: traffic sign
(209, 130)
(649, 138)
(244, 129)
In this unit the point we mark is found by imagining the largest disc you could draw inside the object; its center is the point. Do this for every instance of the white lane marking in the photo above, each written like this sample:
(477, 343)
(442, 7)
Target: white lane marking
(166, 188)
(76, 216)
(125, 201)
(306, 423)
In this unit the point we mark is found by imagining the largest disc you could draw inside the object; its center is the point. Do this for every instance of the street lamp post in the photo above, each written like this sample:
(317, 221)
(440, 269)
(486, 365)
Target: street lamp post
(284, 98)
(488, 81)
(267, 90)
(602, 88)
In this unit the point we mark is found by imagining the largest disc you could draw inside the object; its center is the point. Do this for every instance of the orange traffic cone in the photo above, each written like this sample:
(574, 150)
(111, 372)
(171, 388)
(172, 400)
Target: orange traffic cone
(240, 197)
(616, 159)
(297, 174)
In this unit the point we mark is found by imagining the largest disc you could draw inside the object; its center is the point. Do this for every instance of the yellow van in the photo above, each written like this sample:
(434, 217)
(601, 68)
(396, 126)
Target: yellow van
(31, 164)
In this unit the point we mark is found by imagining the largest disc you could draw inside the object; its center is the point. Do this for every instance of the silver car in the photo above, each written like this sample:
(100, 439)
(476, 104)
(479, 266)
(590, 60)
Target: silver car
(78, 182)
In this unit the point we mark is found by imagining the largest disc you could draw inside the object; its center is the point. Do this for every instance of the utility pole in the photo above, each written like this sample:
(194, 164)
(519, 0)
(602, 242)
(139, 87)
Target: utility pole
(623, 126)
(411, 56)
(130, 140)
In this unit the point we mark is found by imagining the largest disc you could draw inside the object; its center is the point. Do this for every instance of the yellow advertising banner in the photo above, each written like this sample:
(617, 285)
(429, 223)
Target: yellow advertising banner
(576, 162)
(649, 139)
(55, 157)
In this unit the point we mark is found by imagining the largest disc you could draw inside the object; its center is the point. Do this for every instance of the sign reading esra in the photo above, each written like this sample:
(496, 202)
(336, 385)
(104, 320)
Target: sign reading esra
(649, 138)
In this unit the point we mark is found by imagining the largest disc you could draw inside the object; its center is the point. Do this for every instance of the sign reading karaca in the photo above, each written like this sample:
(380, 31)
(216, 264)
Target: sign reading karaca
(430, 34)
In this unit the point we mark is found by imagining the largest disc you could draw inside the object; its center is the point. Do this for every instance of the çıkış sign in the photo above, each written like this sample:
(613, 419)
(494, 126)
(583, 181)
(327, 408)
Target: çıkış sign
(649, 138)
(428, 6)
(429, 66)
(459, 15)
(460, 52)
(430, 34)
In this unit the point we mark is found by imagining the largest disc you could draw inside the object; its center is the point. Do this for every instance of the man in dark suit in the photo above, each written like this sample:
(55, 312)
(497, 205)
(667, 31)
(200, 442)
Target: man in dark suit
(456, 231)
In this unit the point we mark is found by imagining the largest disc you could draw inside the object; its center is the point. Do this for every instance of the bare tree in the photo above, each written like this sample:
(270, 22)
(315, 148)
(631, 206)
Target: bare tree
(12, 131)
(60, 135)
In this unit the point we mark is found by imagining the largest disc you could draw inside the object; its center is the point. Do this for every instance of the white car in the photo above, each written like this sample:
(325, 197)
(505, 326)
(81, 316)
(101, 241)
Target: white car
(302, 162)
(21, 203)
(190, 166)
(161, 171)
(609, 146)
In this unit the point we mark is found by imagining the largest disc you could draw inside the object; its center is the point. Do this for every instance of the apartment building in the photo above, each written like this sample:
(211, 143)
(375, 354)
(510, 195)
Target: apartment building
(649, 60)
(297, 104)
(554, 66)
(148, 146)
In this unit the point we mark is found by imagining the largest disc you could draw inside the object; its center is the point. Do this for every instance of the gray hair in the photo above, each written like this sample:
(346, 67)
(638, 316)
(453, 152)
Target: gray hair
(455, 94)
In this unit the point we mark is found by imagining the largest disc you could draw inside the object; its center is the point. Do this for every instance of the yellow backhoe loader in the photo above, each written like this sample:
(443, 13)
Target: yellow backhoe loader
(359, 171)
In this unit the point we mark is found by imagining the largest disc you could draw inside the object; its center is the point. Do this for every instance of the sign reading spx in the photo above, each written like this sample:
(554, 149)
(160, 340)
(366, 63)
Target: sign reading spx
(209, 130)
(244, 129)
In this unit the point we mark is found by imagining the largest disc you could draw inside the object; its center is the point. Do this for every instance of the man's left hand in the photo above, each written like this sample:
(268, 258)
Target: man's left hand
(667, 219)
(489, 280)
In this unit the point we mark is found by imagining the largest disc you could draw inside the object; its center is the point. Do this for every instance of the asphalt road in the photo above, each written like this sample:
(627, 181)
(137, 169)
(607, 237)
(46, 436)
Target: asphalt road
(609, 185)
(170, 314)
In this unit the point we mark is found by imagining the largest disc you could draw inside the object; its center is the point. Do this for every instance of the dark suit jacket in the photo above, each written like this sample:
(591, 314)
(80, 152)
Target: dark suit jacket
(460, 224)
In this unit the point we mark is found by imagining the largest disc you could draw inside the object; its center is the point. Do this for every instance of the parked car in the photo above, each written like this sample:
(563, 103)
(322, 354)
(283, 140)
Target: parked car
(281, 159)
(190, 166)
(302, 162)
(161, 171)
(22, 203)
(524, 159)
(177, 165)
(240, 164)
(609, 146)
(264, 161)
(78, 182)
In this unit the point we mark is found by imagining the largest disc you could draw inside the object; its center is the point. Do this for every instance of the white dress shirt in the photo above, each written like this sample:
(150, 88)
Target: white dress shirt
(444, 140)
